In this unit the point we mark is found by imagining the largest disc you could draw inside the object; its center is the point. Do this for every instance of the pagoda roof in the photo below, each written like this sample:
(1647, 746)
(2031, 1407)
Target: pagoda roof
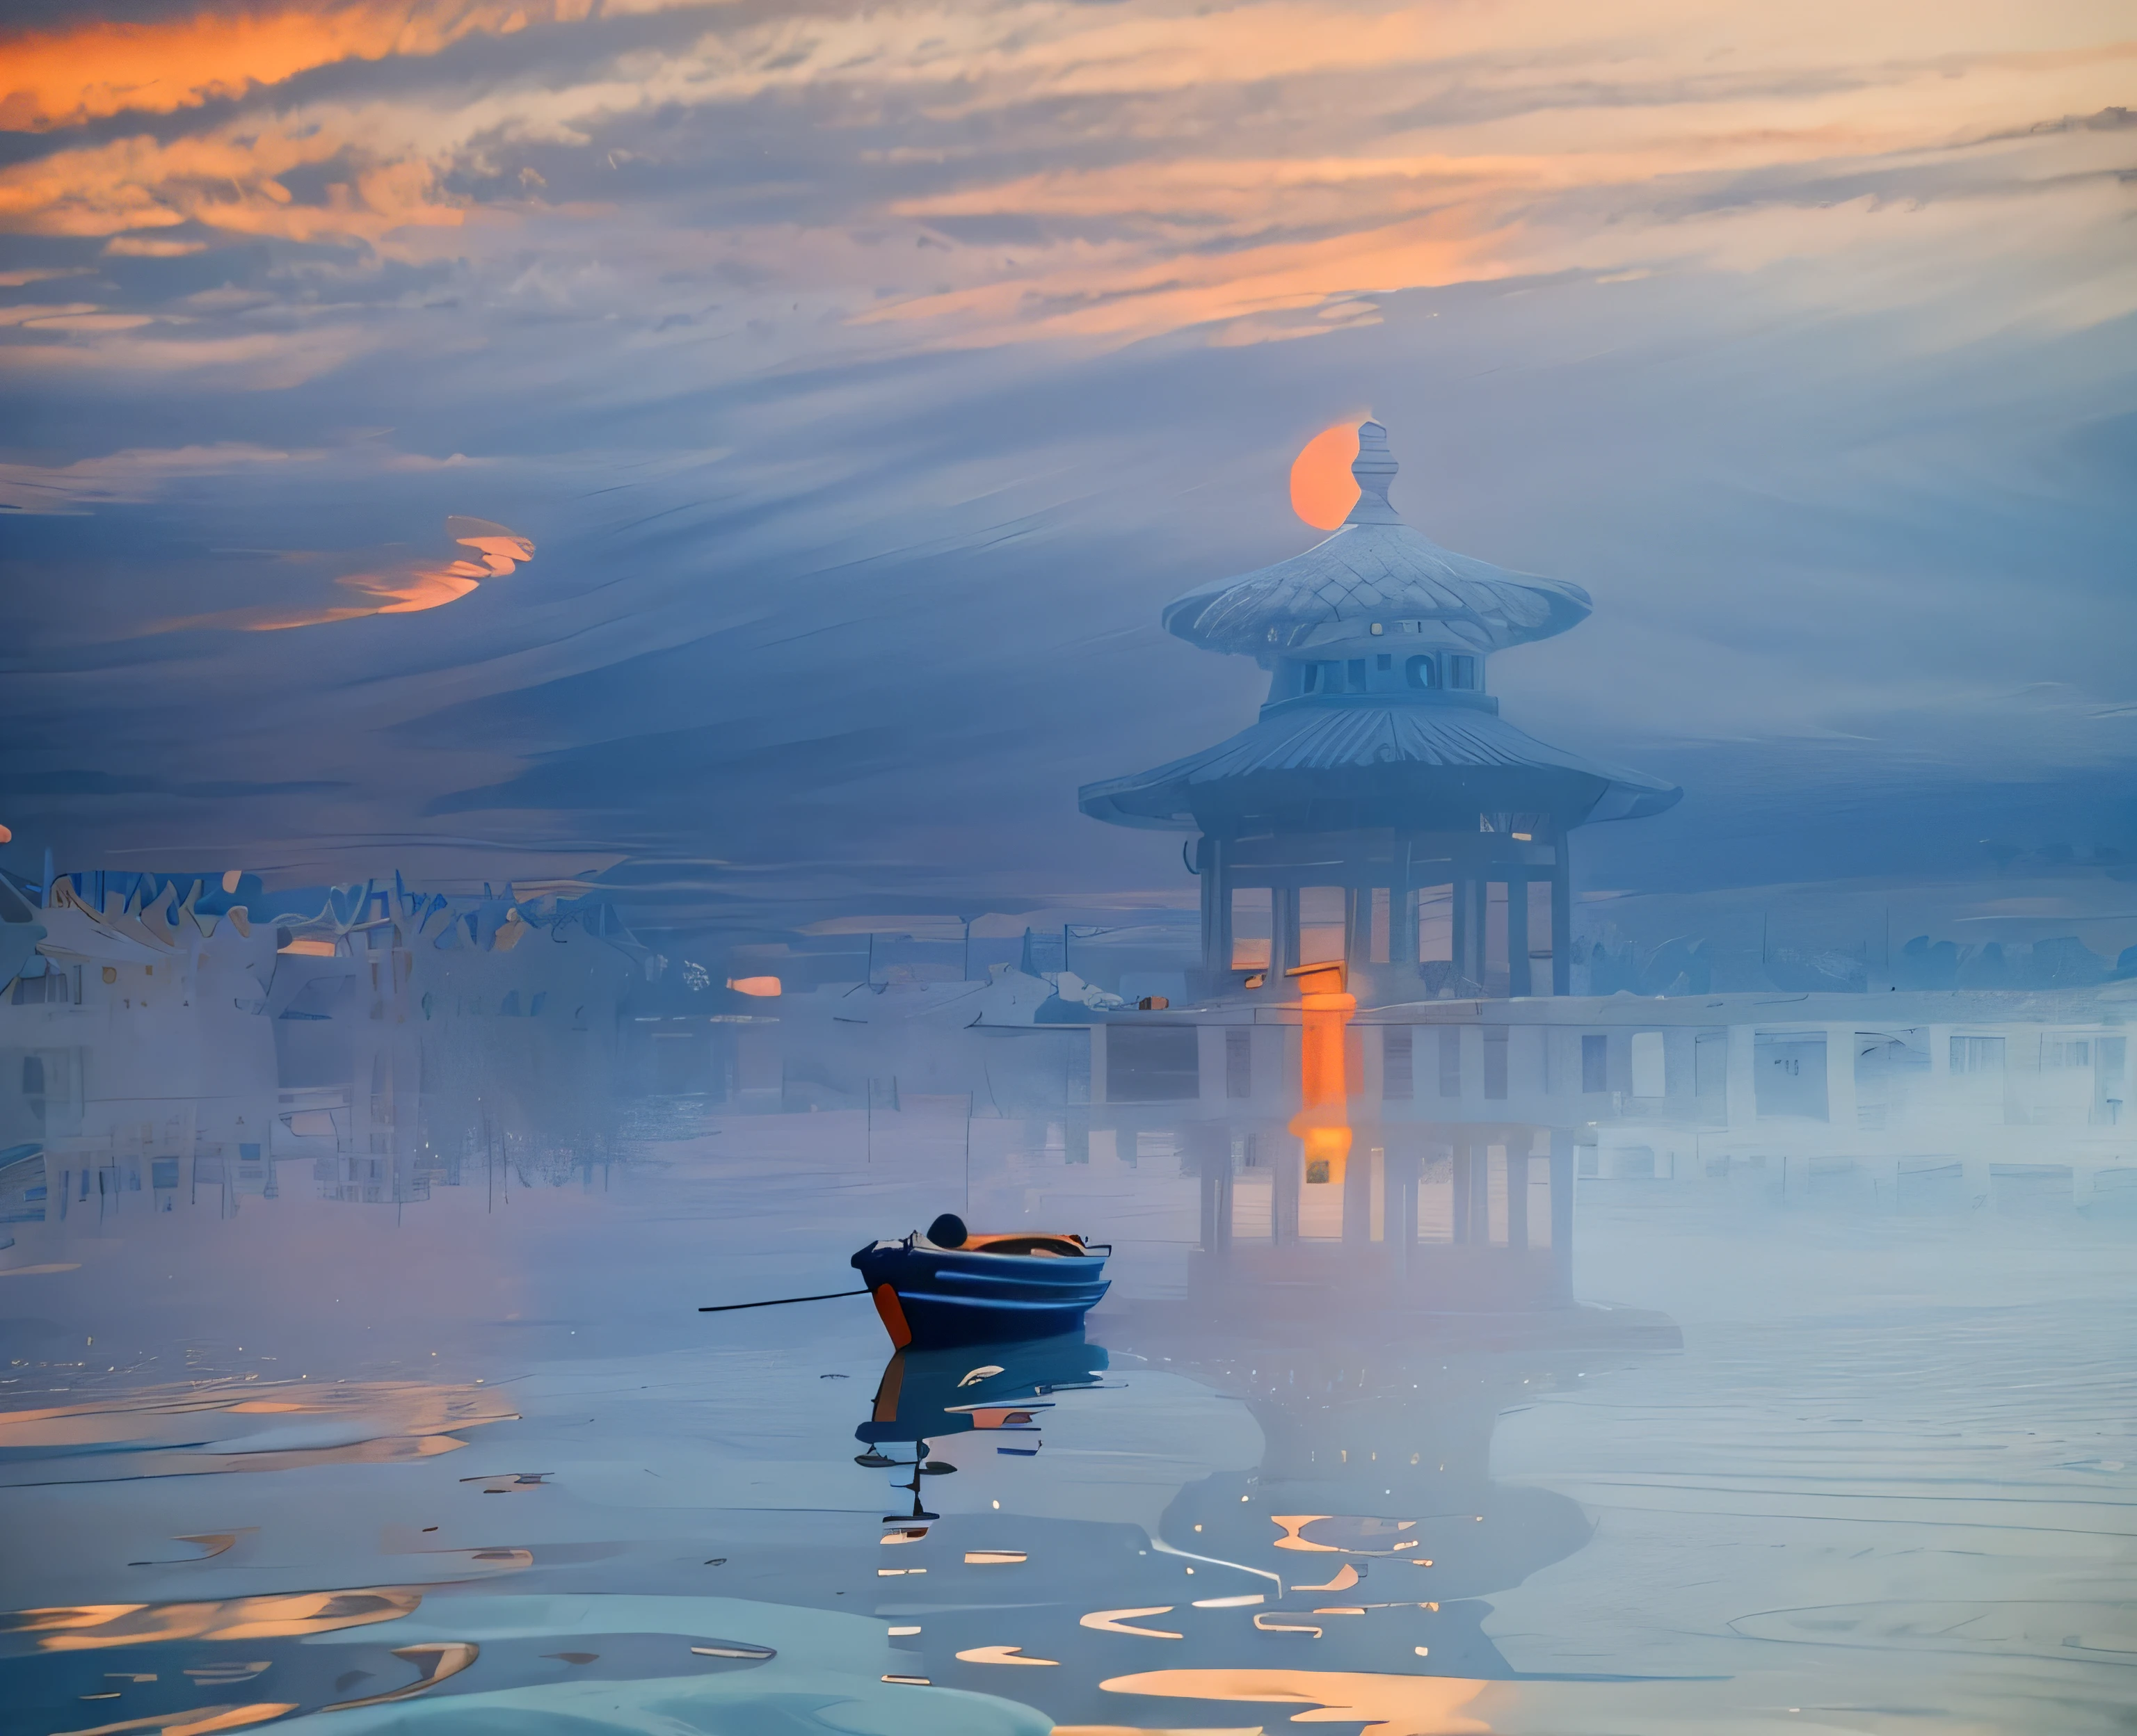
(1374, 567)
(1416, 766)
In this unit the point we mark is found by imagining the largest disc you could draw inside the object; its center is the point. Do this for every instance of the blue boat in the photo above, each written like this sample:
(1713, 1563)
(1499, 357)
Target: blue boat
(948, 1286)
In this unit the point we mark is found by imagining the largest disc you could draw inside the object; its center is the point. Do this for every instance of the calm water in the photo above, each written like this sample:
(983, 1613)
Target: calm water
(1803, 1467)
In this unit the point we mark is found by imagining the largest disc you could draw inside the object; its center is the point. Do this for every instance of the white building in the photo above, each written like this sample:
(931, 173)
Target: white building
(163, 1047)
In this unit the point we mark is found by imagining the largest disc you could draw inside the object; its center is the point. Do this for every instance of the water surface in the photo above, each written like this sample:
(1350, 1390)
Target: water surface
(481, 1463)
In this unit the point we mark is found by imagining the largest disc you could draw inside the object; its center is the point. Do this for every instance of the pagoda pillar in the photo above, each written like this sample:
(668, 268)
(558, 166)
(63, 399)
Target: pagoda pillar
(1216, 905)
(1480, 921)
(1561, 920)
(1517, 933)
(1402, 915)
(1469, 930)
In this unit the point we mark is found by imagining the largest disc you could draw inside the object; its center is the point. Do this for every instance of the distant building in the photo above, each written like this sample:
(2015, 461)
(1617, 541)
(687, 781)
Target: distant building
(167, 1041)
(1380, 813)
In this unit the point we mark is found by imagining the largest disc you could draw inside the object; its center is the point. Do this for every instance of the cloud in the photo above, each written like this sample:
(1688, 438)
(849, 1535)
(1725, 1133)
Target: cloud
(407, 590)
(140, 473)
(142, 246)
(137, 473)
(19, 279)
(227, 180)
(65, 77)
(1798, 335)
(410, 589)
(1050, 171)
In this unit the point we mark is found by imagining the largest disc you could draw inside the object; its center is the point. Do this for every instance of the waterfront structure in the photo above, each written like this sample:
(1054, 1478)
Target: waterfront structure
(1380, 813)
(1496, 1109)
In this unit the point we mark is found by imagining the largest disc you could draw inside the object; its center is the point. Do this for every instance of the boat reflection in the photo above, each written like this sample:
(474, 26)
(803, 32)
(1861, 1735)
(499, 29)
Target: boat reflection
(928, 1395)
(1345, 1559)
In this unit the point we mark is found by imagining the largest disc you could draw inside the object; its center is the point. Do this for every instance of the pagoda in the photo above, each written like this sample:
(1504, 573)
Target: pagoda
(1380, 814)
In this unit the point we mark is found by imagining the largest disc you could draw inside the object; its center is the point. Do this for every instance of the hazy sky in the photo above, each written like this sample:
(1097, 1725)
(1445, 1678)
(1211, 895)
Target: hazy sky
(864, 379)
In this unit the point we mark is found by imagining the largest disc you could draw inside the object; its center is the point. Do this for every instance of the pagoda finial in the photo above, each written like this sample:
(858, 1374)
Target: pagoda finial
(1373, 468)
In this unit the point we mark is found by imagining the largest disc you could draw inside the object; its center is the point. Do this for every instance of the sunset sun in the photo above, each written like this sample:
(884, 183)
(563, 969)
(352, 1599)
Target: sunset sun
(1322, 491)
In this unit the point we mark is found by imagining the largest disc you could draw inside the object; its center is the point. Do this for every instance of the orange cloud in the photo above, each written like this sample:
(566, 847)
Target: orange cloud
(141, 246)
(1131, 295)
(403, 591)
(226, 180)
(1575, 145)
(64, 77)
(415, 588)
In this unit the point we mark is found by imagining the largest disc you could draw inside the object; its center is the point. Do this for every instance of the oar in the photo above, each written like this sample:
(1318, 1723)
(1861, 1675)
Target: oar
(781, 1301)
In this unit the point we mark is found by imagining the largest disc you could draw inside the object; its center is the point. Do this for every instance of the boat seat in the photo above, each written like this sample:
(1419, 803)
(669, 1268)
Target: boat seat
(1025, 1242)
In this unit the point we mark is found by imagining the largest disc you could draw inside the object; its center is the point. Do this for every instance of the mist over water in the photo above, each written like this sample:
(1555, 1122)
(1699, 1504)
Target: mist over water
(978, 867)
(1813, 1449)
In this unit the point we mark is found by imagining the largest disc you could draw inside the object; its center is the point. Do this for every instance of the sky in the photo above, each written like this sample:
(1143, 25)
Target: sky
(739, 451)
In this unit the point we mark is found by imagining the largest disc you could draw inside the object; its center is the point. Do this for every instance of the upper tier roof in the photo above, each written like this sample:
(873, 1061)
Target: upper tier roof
(1375, 567)
(1337, 766)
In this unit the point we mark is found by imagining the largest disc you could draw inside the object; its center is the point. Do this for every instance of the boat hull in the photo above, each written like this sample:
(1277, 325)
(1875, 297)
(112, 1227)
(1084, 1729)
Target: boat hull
(931, 1298)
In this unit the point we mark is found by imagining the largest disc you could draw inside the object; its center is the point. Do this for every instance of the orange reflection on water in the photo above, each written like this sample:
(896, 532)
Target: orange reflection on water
(1119, 1621)
(195, 1430)
(201, 1721)
(1323, 1120)
(1293, 1524)
(93, 1626)
(1389, 1706)
(1346, 1576)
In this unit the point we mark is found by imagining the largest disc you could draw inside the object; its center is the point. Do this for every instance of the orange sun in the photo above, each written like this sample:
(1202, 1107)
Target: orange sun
(1321, 490)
